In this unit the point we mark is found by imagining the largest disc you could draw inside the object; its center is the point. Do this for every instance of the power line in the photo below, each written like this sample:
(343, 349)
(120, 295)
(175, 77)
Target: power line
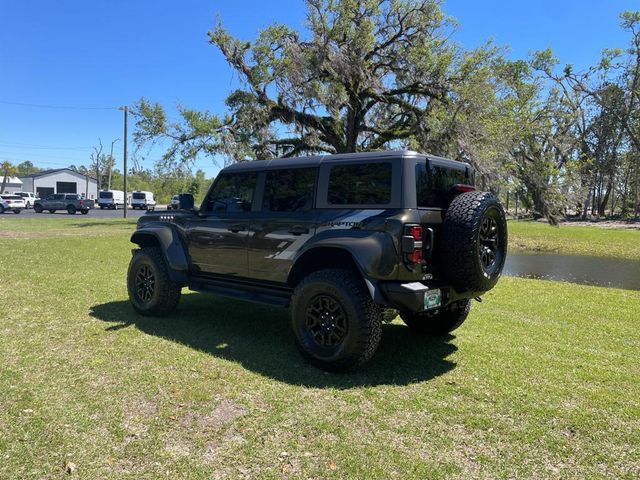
(57, 107)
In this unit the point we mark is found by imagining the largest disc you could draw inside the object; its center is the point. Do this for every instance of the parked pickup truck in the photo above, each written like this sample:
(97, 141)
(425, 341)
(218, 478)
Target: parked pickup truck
(71, 202)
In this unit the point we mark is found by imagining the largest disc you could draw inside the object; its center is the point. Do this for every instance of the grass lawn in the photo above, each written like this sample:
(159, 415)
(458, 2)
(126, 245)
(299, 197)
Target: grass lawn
(574, 240)
(542, 381)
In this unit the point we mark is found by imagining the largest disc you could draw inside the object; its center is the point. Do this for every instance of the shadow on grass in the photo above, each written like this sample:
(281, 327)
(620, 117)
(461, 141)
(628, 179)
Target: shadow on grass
(259, 338)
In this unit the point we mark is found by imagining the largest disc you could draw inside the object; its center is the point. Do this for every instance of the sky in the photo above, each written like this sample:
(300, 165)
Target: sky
(94, 56)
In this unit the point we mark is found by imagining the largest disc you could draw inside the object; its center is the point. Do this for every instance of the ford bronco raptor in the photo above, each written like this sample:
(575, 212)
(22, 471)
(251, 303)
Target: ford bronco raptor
(340, 239)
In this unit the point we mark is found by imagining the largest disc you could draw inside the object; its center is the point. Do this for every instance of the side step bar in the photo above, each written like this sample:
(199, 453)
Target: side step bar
(276, 297)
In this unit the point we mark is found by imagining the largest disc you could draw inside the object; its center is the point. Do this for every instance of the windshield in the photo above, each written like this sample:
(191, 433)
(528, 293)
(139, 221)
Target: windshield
(106, 194)
(139, 196)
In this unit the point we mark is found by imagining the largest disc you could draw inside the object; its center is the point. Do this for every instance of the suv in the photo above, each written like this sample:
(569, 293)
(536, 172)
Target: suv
(11, 202)
(343, 240)
(71, 202)
(29, 198)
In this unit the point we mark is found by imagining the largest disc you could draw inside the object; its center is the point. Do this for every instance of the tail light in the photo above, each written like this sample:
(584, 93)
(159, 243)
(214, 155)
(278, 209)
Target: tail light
(412, 244)
(461, 188)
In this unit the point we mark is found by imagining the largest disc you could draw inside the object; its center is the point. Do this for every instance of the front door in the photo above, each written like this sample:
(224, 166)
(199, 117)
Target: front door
(285, 220)
(217, 237)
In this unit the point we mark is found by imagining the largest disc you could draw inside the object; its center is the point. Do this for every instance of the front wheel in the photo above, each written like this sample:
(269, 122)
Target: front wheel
(52, 211)
(151, 290)
(84, 212)
(337, 326)
(439, 322)
(16, 211)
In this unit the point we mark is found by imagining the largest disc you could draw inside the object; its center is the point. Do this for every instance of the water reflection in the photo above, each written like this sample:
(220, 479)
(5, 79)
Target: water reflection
(608, 272)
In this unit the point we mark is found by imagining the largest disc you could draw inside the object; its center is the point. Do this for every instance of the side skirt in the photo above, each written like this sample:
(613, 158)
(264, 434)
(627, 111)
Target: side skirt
(274, 295)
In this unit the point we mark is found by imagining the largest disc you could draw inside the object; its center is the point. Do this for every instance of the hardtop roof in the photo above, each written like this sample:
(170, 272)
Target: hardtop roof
(315, 160)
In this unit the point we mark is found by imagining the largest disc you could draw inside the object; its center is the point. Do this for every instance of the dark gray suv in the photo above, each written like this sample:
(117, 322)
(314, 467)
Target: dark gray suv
(339, 239)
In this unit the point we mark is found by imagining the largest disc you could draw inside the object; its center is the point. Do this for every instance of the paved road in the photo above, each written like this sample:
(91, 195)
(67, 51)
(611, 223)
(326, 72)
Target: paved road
(28, 212)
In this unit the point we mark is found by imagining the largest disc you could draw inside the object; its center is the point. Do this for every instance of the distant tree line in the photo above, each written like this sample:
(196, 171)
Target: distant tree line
(162, 182)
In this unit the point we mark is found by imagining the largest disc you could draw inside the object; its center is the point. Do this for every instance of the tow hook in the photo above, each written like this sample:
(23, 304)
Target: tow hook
(478, 299)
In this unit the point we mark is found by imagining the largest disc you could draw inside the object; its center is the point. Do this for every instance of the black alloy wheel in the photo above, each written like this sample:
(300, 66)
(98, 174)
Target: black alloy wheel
(145, 283)
(326, 321)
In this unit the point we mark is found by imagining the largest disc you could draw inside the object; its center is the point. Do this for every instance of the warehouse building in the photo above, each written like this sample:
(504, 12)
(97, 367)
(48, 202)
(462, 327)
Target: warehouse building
(61, 180)
(12, 185)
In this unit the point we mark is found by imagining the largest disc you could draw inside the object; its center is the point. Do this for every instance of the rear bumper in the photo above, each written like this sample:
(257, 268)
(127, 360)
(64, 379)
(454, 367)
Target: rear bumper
(410, 296)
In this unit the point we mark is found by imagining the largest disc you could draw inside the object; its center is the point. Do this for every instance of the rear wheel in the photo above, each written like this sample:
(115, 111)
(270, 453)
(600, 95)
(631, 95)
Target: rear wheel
(37, 208)
(71, 210)
(440, 322)
(16, 211)
(151, 290)
(337, 326)
(52, 211)
(1, 209)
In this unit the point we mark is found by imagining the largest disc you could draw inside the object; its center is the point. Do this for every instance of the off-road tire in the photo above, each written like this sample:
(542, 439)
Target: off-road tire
(71, 210)
(37, 208)
(84, 212)
(166, 293)
(462, 244)
(440, 322)
(1, 209)
(16, 211)
(361, 316)
(52, 211)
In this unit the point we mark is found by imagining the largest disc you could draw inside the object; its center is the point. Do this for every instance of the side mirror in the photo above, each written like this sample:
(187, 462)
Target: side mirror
(186, 201)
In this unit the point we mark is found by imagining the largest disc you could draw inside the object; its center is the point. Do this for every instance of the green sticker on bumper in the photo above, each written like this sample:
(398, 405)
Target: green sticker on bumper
(432, 299)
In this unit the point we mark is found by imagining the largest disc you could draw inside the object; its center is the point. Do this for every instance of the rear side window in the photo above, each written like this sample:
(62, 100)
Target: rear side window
(434, 184)
(233, 193)
(362, 184)
(289, 190)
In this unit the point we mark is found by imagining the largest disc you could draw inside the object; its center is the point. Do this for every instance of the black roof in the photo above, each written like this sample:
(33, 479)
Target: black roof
(54, 170)
(315, 160)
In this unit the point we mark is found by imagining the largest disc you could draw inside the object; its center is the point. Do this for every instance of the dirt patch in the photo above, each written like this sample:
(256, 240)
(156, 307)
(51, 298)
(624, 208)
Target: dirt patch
(608, 224)
(138, 412)
(224, 413)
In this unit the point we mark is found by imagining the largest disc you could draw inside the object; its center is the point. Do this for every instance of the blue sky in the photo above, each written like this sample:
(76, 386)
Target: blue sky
(103, 53)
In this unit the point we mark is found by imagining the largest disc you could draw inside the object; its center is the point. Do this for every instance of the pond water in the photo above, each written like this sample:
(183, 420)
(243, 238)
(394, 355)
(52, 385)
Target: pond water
(607, 272)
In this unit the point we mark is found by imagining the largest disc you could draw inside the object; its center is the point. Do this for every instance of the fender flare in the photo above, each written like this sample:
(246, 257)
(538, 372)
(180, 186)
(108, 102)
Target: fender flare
(372, 252)
(172, 248)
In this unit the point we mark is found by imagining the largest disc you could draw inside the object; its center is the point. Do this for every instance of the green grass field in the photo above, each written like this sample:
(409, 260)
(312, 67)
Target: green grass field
(574, 240)
(542, 381)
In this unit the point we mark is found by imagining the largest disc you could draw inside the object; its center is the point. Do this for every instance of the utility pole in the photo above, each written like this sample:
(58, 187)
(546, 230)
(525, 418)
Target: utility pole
(111, 163)
(126, 110)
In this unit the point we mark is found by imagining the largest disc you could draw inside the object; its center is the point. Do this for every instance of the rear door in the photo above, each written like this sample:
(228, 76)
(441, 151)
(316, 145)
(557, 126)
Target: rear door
(285, 220)
(217, 236)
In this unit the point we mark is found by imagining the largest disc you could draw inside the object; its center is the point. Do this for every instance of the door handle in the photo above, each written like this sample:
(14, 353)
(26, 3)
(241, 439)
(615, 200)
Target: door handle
(236, 228)
(298, 230)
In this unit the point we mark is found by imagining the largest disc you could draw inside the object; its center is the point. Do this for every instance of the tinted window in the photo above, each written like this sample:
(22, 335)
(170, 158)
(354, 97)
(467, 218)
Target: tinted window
(434, 182)
(233, 192)
(289, 190)
(365, 184)
(106, 195)
(58, 197)
(139, 196)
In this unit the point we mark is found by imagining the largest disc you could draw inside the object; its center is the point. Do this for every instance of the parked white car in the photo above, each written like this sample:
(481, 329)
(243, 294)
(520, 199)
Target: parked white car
(111, 199)
(28, 197)
(13, 203)
(143, 200)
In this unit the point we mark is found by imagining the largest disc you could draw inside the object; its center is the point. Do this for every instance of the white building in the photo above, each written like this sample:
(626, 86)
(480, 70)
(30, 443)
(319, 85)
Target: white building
(14, 184)
(61, 180)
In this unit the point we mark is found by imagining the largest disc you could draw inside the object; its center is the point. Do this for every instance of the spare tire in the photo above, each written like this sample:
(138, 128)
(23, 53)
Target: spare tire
(474, 241)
